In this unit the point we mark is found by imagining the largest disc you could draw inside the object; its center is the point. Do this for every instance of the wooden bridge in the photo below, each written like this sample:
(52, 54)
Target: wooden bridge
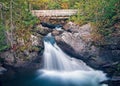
(55, 14)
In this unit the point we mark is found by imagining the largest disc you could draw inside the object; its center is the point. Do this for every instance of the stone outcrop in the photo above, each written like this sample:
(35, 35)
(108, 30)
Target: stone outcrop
(42, 30)
(80, 43)
(11, 59)
(77, 41)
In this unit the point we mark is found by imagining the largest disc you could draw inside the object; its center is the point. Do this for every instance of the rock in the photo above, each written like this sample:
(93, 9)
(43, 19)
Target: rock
(20, 41)
(2, 70)
(42, 30)
(78, 42)
(8, 57)
(111, 46)
(115, 55)
(34, 40)
(56, 32)
(70, 26)
(20, 59)
(114, 81)
(51, 26)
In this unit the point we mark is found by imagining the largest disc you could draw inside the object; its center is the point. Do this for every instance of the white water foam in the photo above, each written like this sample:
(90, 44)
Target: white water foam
(56, 59)
(63, 70)
(72, 78)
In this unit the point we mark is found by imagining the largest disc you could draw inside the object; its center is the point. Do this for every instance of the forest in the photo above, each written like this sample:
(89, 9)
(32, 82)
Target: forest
(16, 16)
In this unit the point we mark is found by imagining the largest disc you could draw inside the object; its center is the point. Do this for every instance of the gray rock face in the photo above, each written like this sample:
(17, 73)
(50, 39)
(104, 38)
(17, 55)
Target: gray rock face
(78, 42)
(23, 59)
(8, 57)
(42, 30)
(56, 32)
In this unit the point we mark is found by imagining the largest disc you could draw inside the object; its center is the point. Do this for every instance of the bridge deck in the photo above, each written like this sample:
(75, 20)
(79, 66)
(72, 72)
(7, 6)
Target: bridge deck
(64, 13)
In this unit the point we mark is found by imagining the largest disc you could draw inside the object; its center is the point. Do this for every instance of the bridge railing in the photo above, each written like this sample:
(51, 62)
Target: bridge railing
(55, 13)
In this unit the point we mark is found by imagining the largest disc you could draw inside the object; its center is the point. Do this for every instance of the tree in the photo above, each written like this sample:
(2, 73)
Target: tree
(17, 21)
(39, 4)
(3, 41)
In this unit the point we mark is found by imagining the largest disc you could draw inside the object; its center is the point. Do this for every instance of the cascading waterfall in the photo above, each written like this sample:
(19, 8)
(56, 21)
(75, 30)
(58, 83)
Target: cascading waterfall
(63, 70)
(59, 70)
(56, 59)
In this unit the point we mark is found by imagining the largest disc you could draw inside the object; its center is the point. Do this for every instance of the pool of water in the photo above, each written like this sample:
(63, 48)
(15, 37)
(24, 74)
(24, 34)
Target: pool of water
(59, 69)
(57, 78)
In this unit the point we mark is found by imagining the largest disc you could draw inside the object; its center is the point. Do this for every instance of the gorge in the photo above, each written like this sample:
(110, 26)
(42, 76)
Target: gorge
(59, 43)
(57, 65)
(59, 69)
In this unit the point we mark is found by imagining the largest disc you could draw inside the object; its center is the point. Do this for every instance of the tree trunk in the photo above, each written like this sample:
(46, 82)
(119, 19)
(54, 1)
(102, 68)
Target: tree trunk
(11, 23)
(3, 22)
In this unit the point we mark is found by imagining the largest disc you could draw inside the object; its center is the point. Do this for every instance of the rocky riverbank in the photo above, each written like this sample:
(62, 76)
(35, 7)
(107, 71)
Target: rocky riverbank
(76, 41)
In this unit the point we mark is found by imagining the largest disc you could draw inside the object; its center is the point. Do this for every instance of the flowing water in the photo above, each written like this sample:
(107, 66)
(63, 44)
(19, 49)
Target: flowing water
(63, 70)
(56, 59)
(60, 70)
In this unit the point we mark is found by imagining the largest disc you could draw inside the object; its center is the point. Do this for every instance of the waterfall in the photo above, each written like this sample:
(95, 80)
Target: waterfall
(62, 70)
(56, 59)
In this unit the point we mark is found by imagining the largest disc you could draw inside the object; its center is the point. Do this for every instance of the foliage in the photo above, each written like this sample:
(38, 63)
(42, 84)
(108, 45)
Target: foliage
(103, 13)
(52, 4)
(22, 20)
(3, 44)
(41, 4)
(34, 48)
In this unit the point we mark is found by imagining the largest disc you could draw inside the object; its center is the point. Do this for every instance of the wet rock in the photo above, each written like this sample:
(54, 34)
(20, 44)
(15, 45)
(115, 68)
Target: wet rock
(8, 57)
(2, 70)
(78, 42)
(42, 30)
(111, 46)
(56, 32)
(114, 81)
(21, 59)
(51, 26)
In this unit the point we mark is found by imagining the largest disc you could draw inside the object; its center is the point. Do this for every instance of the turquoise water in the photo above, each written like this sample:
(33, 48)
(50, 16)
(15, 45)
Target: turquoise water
(59, 69)
(56, 78)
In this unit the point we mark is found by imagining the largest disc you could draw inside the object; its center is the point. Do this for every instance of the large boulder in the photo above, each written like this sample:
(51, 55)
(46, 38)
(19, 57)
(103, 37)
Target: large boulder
(8, 57)
(25, 59)
(78, 42)
(42, 30)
